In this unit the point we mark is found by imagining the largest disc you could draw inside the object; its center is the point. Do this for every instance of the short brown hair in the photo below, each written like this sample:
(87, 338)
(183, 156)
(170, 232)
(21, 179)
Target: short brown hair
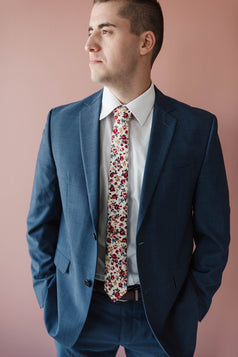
(144, 15)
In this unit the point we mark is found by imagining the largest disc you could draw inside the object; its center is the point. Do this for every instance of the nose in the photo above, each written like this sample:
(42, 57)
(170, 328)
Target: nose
(91, 44)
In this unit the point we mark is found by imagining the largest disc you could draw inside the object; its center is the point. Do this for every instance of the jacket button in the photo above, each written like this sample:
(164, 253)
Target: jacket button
(88, 283)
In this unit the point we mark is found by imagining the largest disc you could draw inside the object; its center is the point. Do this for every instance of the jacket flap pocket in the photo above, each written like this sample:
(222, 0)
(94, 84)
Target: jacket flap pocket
(61, 262)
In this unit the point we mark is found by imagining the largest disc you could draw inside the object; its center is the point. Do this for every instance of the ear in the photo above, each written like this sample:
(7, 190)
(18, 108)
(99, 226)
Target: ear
(147, 43)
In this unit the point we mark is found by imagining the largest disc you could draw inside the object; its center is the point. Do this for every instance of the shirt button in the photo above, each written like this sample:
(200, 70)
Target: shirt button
(88, 283)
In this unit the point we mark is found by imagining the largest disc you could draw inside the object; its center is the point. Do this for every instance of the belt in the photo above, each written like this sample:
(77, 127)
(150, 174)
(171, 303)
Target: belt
(133, 292)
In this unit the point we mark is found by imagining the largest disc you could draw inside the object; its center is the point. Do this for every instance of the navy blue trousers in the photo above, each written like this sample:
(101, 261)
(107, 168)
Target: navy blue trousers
(110, 325)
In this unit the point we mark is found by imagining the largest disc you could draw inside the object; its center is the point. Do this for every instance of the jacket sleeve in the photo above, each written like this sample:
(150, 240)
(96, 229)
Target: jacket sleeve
(211, 218)
(44, 218)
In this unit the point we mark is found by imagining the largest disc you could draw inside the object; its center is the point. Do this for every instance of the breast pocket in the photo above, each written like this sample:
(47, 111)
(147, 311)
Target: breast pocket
(170, 166)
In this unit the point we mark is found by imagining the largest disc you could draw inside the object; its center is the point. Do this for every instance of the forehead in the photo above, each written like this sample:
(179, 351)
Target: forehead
(107, 12)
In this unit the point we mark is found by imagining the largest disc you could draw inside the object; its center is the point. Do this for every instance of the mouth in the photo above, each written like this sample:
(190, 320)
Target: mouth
(93, 61)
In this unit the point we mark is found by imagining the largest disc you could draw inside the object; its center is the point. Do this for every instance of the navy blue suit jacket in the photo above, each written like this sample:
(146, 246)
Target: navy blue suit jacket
(183, 224)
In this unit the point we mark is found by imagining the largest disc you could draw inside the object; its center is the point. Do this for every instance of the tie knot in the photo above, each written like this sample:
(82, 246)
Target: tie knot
(122, 113)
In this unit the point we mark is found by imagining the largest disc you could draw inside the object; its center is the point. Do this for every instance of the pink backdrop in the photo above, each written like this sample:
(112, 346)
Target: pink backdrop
(43, 65)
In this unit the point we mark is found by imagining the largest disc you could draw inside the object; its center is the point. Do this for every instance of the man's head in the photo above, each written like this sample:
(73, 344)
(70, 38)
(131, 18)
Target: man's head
(123, 43)
(143, 15)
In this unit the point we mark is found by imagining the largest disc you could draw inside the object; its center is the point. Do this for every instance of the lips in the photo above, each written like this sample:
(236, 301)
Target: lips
(94, 61)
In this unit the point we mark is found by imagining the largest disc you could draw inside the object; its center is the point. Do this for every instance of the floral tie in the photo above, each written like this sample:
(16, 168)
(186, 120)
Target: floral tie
(115, 284)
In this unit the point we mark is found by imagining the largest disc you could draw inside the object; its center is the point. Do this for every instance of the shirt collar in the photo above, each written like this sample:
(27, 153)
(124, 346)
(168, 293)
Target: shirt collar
(139, 107)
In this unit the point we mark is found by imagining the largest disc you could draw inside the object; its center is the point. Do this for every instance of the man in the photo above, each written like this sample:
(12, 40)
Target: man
(128, 228)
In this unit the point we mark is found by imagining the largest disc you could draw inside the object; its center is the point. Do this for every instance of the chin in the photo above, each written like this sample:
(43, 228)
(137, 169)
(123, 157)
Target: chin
(98, 78)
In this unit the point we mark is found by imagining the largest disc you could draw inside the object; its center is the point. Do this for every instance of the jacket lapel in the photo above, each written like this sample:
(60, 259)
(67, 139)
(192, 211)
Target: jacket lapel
(89, 141)
(162, 130)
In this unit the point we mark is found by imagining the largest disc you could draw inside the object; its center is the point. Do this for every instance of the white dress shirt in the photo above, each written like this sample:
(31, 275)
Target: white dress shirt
(139, 133)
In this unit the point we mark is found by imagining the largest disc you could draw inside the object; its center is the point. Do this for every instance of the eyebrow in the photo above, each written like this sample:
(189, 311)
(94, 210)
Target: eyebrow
(106, 24)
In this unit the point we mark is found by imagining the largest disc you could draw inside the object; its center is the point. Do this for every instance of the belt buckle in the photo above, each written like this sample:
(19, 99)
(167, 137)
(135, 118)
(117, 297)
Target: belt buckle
(120, 300)
(136, 294)
(123, 300)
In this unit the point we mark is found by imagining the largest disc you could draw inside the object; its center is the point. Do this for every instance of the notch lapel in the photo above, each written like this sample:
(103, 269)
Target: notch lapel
(162, 131)
(89, 141)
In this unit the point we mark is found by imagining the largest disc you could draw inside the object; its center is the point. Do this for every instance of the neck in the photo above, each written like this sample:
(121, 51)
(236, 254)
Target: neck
(130, 91)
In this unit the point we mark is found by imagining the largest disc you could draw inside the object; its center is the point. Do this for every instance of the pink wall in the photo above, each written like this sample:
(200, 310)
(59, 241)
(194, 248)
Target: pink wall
(43, 64)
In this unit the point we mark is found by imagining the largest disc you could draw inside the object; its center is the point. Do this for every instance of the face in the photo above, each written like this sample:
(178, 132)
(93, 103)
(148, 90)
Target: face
(113, 49)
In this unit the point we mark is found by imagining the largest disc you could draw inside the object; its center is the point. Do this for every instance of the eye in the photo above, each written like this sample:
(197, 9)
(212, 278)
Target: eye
(105, 31)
